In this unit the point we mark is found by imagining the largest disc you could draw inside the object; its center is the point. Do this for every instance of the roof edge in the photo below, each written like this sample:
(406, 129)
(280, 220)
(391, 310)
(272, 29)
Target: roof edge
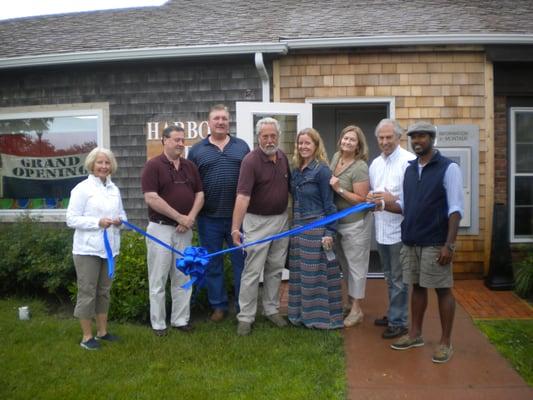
(408, 40)
(283, 47)
(142, 54)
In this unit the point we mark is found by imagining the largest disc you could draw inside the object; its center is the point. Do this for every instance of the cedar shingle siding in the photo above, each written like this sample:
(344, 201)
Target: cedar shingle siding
(137, 94)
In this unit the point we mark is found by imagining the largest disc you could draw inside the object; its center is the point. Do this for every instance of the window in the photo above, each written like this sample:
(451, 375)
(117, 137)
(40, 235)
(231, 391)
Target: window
(42, 155)
(521, 179)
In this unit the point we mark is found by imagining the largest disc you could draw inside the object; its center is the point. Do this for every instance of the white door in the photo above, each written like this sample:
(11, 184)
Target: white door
(292, 118)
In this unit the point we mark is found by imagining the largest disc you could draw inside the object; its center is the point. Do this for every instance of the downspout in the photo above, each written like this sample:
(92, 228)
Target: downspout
(263, 74)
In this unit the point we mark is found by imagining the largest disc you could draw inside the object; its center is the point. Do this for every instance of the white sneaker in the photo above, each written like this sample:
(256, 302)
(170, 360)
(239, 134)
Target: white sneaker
(244, 328)
(353, 319)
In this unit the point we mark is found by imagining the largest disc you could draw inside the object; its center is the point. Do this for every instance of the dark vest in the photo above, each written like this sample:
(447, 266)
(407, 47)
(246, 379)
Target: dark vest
(425, 207)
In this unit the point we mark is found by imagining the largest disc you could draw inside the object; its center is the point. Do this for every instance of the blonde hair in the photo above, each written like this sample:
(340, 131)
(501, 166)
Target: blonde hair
(320, 151)
(361, 153)
(91, 159)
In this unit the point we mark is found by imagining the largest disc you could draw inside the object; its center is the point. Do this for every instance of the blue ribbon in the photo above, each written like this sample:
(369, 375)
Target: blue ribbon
(307, 227)
(193, 263)
(109, 253)
(194, 260)
(151, 237)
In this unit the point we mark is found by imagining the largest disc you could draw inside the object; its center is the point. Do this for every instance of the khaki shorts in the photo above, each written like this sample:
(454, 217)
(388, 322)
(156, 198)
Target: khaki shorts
(420, 265)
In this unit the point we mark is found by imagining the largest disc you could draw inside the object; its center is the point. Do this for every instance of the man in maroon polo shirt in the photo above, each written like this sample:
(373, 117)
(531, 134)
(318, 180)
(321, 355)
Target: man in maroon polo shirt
(173, 192)
(261, 208)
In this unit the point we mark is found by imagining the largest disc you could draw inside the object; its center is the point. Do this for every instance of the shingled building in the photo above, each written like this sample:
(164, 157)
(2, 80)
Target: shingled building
(116, 78)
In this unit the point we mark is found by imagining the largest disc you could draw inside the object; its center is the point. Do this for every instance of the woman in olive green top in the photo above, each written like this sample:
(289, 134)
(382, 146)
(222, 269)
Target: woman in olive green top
(350, 183)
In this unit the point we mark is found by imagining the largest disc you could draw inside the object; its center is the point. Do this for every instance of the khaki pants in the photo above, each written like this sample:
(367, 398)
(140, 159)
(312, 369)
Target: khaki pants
(161, 264)
(353, 252)
(268, 258)
(94, 286)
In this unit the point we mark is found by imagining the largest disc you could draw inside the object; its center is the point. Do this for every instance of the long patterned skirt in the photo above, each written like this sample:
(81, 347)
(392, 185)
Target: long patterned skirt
(315, 297)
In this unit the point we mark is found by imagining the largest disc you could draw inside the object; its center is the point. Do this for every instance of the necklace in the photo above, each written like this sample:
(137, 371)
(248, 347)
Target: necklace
(342, 162)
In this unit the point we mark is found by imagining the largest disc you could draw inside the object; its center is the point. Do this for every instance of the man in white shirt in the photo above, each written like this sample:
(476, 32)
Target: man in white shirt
(386, 181)
(432, 205)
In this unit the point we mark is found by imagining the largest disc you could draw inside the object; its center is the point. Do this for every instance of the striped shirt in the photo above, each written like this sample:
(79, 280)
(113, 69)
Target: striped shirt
(219, 171)
(386, 173)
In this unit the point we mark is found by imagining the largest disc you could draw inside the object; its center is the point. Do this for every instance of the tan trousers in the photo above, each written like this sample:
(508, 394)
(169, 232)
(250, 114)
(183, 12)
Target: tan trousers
(161, 264)
(268, 258)
(353, 252)
(94, 286)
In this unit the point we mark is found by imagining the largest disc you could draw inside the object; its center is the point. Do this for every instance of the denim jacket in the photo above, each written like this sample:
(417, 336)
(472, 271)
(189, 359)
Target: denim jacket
(312, 193)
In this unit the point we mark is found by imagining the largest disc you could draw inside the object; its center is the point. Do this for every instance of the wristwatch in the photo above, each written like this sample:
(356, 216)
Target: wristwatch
(451, 247)
(341, 191)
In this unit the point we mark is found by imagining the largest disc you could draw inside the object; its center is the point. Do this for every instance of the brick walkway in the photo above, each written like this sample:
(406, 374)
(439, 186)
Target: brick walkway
(481, 302)
(477, 371)
(477, 300)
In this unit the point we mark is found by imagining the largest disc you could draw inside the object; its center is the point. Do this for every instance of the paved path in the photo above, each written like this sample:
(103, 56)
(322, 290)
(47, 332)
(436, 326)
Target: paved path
(476, 371)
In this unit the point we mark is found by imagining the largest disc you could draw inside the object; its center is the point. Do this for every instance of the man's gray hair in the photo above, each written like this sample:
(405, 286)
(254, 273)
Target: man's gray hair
(266, 121)
(396, 127)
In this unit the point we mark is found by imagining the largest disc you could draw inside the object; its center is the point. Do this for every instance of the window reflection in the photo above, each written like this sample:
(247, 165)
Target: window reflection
(41, 159)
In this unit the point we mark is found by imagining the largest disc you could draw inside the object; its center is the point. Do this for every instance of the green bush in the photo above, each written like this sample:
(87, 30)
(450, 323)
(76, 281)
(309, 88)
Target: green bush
(129, 293)
(36, 258)
(524, 273)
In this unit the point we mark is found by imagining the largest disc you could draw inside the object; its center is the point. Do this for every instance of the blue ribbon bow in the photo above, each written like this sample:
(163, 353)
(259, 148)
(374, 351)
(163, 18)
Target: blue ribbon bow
(194, 264)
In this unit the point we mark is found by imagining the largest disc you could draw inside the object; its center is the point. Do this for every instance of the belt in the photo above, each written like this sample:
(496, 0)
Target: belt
(163, 222)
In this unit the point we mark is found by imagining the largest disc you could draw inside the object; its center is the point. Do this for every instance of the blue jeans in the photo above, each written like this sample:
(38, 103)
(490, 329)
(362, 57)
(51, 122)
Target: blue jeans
(213, 233)
(398, 291)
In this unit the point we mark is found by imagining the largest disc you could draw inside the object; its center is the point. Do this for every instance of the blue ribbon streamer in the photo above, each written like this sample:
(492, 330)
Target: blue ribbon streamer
(109, 253)
(151, 237)
(194, 260)
(315, 224)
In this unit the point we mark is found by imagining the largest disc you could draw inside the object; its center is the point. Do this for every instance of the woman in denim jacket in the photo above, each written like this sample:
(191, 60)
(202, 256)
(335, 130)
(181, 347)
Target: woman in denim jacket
(315, 299)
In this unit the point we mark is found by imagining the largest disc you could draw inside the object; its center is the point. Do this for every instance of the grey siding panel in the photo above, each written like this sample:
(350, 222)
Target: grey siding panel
(136, 94)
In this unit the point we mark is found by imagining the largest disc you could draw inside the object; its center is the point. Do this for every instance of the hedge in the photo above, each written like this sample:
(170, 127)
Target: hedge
(37, 261)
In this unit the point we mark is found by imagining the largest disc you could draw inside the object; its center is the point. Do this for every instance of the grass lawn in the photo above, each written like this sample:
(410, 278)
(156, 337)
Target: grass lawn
(41, 358)
(514, 340)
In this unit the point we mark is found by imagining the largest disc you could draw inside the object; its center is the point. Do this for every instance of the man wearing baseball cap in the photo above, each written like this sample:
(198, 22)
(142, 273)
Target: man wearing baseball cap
(432, 206)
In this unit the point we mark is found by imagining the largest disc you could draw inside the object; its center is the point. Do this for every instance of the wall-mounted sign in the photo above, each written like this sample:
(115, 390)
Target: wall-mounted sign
(461, 144)
(194, 132)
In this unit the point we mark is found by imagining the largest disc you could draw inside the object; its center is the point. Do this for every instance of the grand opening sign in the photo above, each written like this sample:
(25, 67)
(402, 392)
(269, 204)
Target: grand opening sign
(42, 158)
(40, 177)
(64, 167)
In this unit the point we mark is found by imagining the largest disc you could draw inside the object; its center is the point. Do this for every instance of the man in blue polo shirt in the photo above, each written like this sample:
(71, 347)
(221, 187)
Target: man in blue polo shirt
(218, 158)
(432, 205)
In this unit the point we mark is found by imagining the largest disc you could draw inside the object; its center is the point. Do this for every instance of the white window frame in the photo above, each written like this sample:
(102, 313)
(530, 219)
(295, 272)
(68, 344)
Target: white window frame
(101, 110)
(246, 110)
(513, 174)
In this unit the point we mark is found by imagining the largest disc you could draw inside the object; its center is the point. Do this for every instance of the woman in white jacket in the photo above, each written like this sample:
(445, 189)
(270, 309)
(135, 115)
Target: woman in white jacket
(95, 205)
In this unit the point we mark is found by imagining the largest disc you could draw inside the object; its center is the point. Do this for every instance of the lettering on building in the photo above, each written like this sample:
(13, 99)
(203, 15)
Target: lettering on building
(43, 167)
